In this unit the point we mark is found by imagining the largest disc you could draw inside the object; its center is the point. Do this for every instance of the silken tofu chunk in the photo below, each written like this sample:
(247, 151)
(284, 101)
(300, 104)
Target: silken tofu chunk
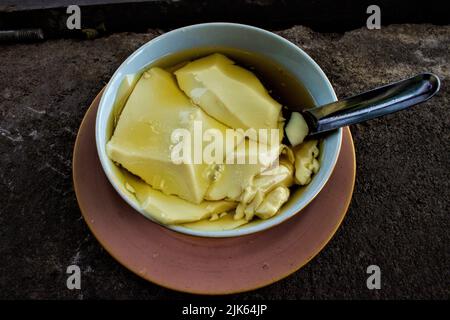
(244, 163)
(273, 202)
(296, 129)
(141, 142)
(224, 222)
(171, 209)
(306, 163)
(229, 93)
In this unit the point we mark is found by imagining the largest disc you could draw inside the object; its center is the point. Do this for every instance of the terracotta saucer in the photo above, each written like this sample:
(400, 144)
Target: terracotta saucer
(205, 265)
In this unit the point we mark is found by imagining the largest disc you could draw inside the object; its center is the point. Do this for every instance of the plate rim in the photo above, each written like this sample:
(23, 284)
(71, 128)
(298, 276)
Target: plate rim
(200, 292)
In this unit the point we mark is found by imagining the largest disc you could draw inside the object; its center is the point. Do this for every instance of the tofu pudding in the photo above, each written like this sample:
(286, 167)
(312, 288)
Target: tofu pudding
(250, 158)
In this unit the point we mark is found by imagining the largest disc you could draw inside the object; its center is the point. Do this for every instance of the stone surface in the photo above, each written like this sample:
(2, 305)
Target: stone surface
(398, 219)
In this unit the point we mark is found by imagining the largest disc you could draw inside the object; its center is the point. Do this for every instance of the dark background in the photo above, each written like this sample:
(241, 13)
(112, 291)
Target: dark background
(108, 16)
(398, 218)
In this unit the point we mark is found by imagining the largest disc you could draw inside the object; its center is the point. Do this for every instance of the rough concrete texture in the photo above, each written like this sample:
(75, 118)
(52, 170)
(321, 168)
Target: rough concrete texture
(398, 219)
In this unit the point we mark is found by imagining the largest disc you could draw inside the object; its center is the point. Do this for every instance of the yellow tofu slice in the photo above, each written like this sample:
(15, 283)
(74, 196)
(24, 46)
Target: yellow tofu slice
(169, 209)
(272, 202)
(229, 93)
(306, 163)
(227, 222)
(296, 129)
(141, 141)
(237, 176)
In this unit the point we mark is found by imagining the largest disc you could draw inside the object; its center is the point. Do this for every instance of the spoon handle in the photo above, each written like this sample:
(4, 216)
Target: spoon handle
(371, 104)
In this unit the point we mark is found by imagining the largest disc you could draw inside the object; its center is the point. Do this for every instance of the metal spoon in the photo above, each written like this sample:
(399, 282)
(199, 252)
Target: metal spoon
(372, 104)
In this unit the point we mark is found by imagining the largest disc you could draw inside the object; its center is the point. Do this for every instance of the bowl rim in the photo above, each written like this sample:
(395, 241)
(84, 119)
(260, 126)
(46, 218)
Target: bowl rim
(267, 224)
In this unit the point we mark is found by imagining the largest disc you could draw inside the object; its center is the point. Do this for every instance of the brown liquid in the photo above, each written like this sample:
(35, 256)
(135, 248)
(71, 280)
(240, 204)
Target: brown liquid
(280, 83)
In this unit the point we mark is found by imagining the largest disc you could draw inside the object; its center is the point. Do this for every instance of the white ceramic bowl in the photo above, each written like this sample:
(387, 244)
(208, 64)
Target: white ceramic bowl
(241, 37)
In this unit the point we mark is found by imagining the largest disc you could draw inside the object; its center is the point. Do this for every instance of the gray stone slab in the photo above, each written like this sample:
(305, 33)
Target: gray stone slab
(398, 219)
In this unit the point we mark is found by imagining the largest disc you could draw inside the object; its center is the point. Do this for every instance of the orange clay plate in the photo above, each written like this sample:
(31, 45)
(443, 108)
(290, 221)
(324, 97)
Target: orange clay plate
(206, 265)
